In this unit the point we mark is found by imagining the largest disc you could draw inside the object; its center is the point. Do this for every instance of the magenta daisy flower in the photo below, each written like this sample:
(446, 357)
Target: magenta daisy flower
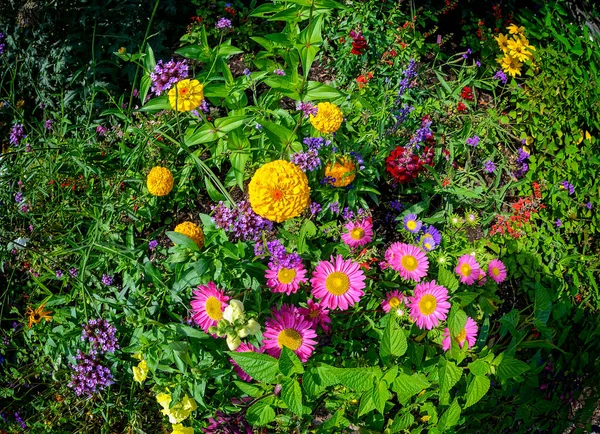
(429, 305)
(497, 270)
(339, 283)
(208, 305)
(393, 301)
(468, 269)
(289, 328)
(359, 233)
(317, 315)
(482, 278)
(409, 261)
(288, 280)
(244, 348)
(469, 334)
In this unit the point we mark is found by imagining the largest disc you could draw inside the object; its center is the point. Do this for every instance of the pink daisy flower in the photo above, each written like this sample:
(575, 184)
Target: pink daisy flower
(317, 315)
(468, 269)
(497, 270)
(208, 304)
(482, 278)
(286, 280)
(469, 334)
(429, 305)
(359, 233)
(244, 348)
(393, 300)
(339, 283)
(409, 261)
(289, 328)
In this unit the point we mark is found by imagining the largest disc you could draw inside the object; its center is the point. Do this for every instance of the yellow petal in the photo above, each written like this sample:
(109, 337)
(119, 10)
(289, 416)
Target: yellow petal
(180, 429)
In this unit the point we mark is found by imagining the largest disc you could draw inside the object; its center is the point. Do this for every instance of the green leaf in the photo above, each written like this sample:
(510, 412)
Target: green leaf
(261, 367)
(479, 367)
(307, 230)
(205, 134)
(149, 61)
(156, 104)
(195, 52)
(366, 403)
(447, 279)
(292, 395)
(260, 414)
(450, 417)
(315, 380)
(406, 386)
(214, 194)
(393, 342)
(289, 363)
(230, 123)
(317, 91)
(477, 389)
(249, 389)
(228, 50)
(380, 395)
(449, 375)
(510, 367)
(184, 240)
(457, 319)
(402, 422)
(186, 330)
(358, 379)
(238, 165)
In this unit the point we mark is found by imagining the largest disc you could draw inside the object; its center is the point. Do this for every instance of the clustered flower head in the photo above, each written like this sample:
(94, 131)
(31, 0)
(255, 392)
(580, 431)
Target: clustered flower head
(17, 133)
(160, 181)
(521, 162)
(404, 165)
(289, 328)
(241, 222)
(2, 42)
(165, 75)
(307, 108)
(186, 95)
(566, 185)
(193, 231)
(306, 161)
(223, 23)
(341, 172)
(359, 43)
(328, 119)
(516, 50)
(101, 334)
(89, 376)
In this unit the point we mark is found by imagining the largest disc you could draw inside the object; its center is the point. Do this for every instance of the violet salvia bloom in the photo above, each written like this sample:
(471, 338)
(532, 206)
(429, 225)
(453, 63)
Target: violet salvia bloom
(17, 133)
(101, 131)
(408, 73)
(247, 72)
(165, 75)
(241, 223)
(48, 124)
(107, 280)
(19, 420)
(327, 180)
(101, 334)
(279, 71)
(19, 197)
(500, 75)
(422, 134)
(523, 167)
(478, 63)
(152, 244)
(227, 424)
(307, 108)
(334, 207)
(90, 375)
(473, 141)
(348, 214)
(489, 166)
(223, 23)
(315, 208)
(396, 205)
(567, 186)
(306, 161)
(467, 54)
(316, 143)
(2, 42)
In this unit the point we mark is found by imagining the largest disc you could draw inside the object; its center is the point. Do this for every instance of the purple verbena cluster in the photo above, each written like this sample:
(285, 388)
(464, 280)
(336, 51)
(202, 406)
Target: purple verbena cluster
(17, 133)
(473, 141)
(165, 75)
(500, 75)
(223, 23)
(90, 375)
(307, 108)
(101, 334)
(568, 186)
(423, 134)
(315, 208)
(227, 424)
(334, 207)
(279, 71)
(522, 166)
(107, 280)
(306, 161)
(316, 143)
(2, 42)
(280, 258)
(489, 166)
(242, 223)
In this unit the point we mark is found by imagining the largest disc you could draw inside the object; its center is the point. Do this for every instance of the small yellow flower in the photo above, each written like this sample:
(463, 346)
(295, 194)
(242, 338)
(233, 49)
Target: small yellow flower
(328, 119)
(192, 231)
(160, 181)
(186, 95)
(37, 314)
(343, 170)
(425, 418)
(122, 50)
(587, 136)
(180, 429)
(510, 65)
(180, 411)
(20, 104)
(140, 372)
(502, 41)
(513, 29)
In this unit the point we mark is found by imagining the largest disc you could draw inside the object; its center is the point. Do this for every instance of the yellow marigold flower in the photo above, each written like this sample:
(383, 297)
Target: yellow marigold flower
(192, 231)
(502, 41)
(513, 29)
(160, 181)
(328, 119)
(343, 170)
(186, 95)
(279, 191)
(180, 429)
(140, 372)
(510, 65)
(37, 314)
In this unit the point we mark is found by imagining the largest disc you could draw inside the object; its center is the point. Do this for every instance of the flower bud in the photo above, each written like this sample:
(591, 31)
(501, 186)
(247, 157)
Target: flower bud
(251, 328)
(234, 311)
(233, 341)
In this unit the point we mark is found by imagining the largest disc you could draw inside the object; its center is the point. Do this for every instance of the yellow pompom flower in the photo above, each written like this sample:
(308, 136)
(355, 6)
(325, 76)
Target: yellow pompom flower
(328, 119)
(343, 170)
(192, 231)
(160, 181)
(279, 191)
(186, 95)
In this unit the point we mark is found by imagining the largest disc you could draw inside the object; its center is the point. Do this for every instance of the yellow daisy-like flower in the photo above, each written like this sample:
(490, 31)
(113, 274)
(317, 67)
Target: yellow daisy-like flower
(510, 65)
(37, 314)
(140, 372)
(513, 29)
(517, 49)
(192, 231)
(587, 136)
(343, 170)
(160, 181)
(279, 191)
(186, 95)
(328, 119)
(502, 41)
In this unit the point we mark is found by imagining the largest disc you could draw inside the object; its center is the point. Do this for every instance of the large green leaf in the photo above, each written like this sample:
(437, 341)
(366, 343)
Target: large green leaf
(260, 414)
(449, 375)
(357, 379)
(289, 363)
(476, 390)
(393, 342)
(184, 240)
(292, 395)
(450, 417)
(406, 386)
(457, 319)
(261, 367)
(510, 367)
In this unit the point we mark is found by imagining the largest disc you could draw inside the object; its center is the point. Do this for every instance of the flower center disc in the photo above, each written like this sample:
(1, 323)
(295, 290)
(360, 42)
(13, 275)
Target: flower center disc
(409, 262)
(213, 308)
(286, 275)
(337, 283)
(460, 338)
(427, 304)
(496, 271)
(394, 302)
(313, 314)
(289, 338)
(357, 233)
(411, 225)
(466, 270)
(277, 194)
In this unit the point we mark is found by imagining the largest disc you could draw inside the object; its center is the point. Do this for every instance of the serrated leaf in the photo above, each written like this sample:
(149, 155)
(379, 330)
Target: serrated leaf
(479, 367)
(402, 422)
(380, 395)
(449, 375)
(450, 417)
(476, 390)
(260, 414)
(358, 379)
(406, 386)
(249, 389)
(289, 363)
(366, 403)
(457, 319)
(510, 367)
(447, 279)
(292, 395)
(393, 342)
(261, 367)
(310, 385)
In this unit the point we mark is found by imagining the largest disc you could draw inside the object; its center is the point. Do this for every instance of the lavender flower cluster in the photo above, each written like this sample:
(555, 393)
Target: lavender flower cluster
(101, 334)
(473, 141)
(242, 222)
(223, 23)
(17, 133)
(307, 108)
(165, 75)
(90, 375)
(2, 42)
(422, 134)
(316, 143)
(280, 258)
(522, 166)
(306, 161)
(568, 186)
(408, 73)
(500, 75)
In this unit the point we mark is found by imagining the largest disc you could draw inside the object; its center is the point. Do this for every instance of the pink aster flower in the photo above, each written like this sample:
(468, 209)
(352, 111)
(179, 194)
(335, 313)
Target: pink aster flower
(482, 278)
(429, 305)
(468, 269)
(497, 270)
(469, 334)
(317, 315)
(289, 328)
(244, 348)
(359, 233)
(409, 261)
(208, 305)
(288, 280)
(339, 283)
(393, 300)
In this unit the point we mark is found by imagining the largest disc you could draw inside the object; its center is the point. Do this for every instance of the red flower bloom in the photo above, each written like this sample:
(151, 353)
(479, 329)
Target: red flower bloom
(359, 44)
(461, 107)
(467, 93)
(404, 166)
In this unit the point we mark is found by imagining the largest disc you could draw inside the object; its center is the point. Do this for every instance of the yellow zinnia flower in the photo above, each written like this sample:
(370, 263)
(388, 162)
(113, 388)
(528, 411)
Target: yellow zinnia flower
(513, 29)
(343, 170)
(279, 191)
(502, 41)
(510, 65)
(192, 231)
(328, 119)
(186, 95)
(160, 181)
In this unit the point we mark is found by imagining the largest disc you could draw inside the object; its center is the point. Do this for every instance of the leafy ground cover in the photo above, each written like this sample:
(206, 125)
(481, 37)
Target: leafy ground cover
(308, 216)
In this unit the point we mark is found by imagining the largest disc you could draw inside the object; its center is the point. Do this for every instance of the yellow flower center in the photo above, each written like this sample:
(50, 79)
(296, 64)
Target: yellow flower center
(286, 275)
(427, 304)
(213, 308)
(411, 225)
(357, 234)
(495, 271)
(428, 245)
(409, 262)
(460, 338)
(313, 314)
(466, 270)
(289, 338)
(394, 302)
(337, 283)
